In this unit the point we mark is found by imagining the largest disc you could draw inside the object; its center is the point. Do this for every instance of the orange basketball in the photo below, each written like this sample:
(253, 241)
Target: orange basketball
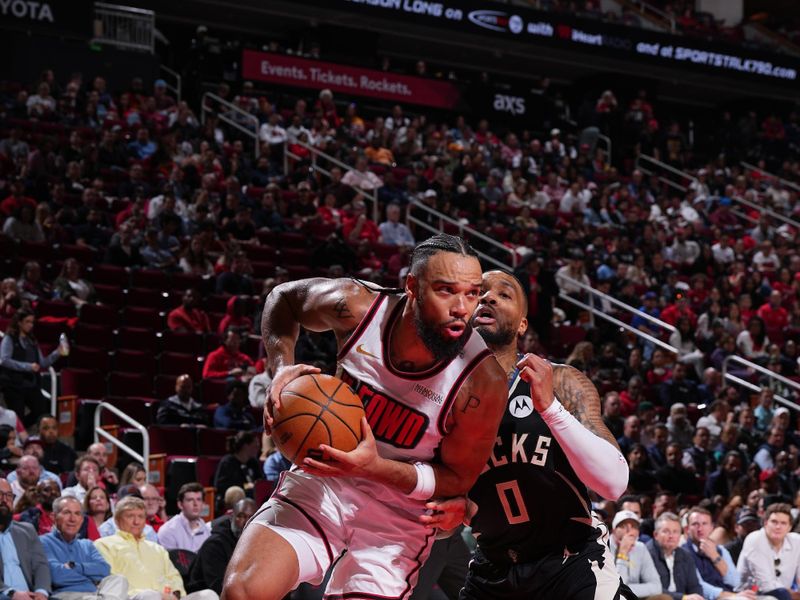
(316, 409)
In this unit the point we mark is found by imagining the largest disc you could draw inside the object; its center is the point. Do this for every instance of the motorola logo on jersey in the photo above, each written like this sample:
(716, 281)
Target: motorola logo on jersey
(391, 421)
(520, 406)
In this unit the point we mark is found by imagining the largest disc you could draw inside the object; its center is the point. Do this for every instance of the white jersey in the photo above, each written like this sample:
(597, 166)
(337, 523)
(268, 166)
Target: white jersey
(406, 411)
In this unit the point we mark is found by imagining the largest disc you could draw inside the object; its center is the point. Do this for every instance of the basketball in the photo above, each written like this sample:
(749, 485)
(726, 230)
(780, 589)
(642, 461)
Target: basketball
(316, 409)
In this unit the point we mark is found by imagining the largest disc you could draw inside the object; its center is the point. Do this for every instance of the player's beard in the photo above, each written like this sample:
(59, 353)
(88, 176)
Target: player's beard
(441, 348)
(499, 338)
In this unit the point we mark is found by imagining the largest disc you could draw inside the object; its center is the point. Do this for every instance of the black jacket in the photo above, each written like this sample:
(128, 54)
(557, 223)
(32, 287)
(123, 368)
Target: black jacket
(683, 571)
(207, 570)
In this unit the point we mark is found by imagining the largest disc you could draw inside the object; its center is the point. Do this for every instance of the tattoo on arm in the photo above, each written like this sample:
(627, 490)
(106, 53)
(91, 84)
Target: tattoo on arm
(580, 397)
(341, 310)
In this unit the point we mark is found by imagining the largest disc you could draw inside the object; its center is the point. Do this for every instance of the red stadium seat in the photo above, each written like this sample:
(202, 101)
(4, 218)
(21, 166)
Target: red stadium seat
(148, 278)
(214, 441)
(98, 336)
(121, 383)
(99, 314)
(212, 391)
(83, 383)
(185, 343)
(149, 318)
(291, 240)
(146, 298)
(164, 386)
(173, 363)
(207, 468)
(55, 308)
(138, 338)
(110, 275)
(110, 295)
(88, 357)
(173, 440)
(83, 254)
(135, 361)
(143, 411)
(48, 333)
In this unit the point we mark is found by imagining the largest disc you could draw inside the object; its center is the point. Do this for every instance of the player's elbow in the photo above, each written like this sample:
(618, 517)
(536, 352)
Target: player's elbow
(615, 483)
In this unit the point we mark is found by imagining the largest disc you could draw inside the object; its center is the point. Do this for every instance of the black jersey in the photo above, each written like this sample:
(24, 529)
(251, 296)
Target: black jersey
(528, 496)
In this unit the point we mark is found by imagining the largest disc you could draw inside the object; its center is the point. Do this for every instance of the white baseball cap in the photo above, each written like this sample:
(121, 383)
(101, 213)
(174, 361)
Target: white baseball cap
(625, 515)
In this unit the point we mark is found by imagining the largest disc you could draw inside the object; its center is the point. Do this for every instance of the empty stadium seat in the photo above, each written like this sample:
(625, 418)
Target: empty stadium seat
(173, 363)
(135, 361)
(214, 441)
(83, 383)
(121, 383)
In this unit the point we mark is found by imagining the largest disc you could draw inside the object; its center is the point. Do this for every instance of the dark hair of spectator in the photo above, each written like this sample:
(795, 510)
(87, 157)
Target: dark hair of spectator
(236, 442)
(16, 319)
(188, 488)
(89, 493)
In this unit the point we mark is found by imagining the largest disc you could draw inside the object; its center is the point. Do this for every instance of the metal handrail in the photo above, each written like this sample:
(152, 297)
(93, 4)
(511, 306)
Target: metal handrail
(770, 212)
(317, 153)
(607, 140)
(626, 307)
(764, 371)
(177, 88)
(232, 108)
(666, 167)
(464, 228)
(53, 393)
(638, 332)
(144, 457)
(785, 182)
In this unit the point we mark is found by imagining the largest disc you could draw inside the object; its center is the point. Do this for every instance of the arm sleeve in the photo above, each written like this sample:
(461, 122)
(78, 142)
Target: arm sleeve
(215, 561)
(649, 582)
(93, 565)
(732, 578)
(596, 462)
(710, 592)
(47, 361)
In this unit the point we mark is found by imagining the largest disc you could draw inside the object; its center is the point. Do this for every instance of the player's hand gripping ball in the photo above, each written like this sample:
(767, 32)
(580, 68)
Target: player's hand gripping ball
(314, 410)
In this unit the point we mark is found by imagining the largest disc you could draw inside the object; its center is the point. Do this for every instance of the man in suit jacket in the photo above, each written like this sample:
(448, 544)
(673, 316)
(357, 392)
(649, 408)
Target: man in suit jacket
(675, 565)
(24, 571)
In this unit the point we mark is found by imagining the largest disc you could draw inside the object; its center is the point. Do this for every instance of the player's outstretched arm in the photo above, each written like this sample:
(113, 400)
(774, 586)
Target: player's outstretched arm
(591, 450)
(317, 304)
(580, 397)
(471, 430)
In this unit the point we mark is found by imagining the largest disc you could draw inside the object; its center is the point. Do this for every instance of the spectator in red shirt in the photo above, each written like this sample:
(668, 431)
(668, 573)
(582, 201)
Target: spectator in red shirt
(235, 316)
(12, 205)
(187, 317)
(360, 227)
(775, 316)
(227, 360)
(679, 308)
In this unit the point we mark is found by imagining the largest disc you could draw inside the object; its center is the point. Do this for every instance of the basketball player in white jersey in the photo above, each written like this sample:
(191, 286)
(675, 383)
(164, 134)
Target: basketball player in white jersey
(530, 509)
(433, 395)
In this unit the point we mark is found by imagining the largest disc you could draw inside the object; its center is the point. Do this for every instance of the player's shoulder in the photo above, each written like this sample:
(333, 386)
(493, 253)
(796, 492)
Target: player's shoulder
(488, 374)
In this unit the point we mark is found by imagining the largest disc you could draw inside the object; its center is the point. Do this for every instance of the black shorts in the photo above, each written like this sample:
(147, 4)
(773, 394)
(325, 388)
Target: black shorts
(585, 574)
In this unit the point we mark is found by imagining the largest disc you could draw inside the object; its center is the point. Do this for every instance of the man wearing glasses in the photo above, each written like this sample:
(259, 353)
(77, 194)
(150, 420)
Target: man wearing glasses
(771, 556)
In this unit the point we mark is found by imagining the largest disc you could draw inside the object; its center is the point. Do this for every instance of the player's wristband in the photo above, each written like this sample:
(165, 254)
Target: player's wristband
(426, 482)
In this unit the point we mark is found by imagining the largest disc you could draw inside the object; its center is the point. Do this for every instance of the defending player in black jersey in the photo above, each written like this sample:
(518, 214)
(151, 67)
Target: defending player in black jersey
(530, 508)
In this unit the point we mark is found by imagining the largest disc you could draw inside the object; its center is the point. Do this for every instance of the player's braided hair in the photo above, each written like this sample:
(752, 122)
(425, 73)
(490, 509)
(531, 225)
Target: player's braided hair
(441, 242)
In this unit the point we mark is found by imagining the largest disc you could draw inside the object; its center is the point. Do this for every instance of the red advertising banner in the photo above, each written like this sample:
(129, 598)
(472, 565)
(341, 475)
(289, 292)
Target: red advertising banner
(302, 72)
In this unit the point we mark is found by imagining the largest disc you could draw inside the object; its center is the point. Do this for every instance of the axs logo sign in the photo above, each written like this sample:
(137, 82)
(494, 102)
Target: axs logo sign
(510, 104)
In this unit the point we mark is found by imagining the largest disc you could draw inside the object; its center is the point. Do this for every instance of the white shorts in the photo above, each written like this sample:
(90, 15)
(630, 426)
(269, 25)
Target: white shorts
(376, 549)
